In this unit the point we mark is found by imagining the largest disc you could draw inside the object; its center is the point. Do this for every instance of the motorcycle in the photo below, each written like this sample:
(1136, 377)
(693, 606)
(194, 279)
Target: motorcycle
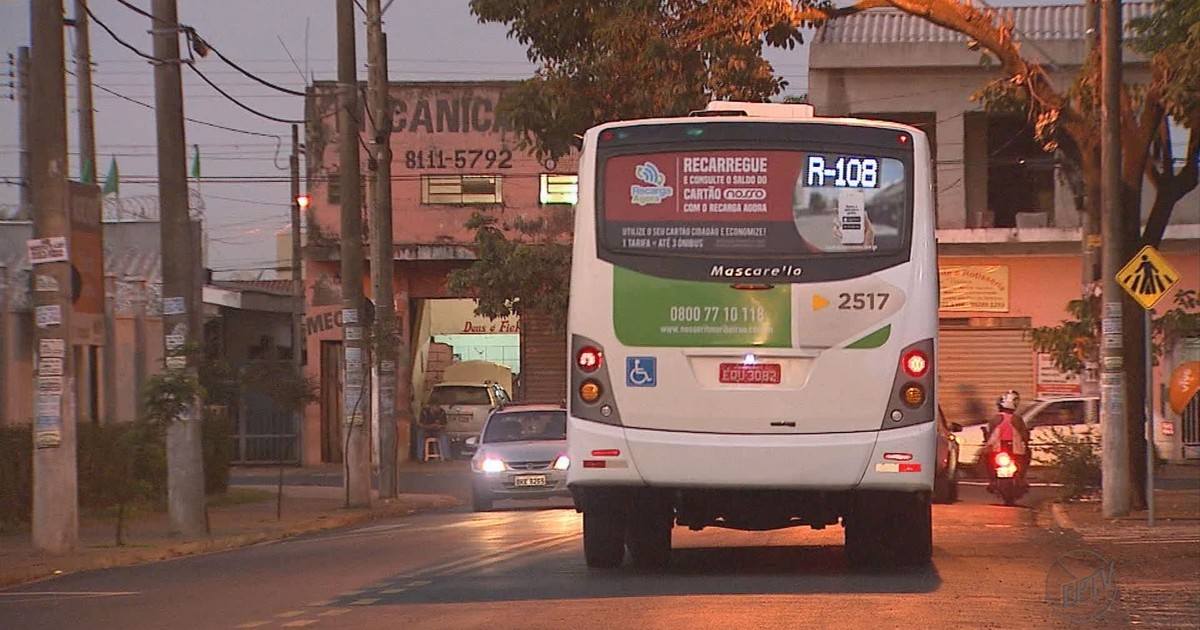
(1006, 482)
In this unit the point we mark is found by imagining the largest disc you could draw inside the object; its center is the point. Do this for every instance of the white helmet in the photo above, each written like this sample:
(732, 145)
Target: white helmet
(1009, 400)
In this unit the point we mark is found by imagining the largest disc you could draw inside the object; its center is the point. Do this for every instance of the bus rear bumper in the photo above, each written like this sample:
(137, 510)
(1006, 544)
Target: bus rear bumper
(828, 462)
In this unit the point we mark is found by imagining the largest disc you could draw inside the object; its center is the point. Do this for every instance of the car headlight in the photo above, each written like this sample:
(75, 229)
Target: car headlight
(562, 462)
(492, 465)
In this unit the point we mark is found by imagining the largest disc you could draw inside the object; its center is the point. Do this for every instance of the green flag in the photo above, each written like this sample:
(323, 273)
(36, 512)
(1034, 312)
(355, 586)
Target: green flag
(87, 172)
(196, 161)
(112, 183)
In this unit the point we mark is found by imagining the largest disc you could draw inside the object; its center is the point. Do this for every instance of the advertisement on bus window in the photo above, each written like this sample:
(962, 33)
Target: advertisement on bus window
(753, 203)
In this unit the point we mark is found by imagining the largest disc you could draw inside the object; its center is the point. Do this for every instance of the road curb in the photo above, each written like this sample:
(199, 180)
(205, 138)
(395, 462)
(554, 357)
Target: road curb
(132, 556)
(1061, 518)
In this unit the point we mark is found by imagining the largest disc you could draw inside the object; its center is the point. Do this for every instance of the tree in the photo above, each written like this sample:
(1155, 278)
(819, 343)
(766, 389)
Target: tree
(1073, 344)
(621, 59)
(527, 273)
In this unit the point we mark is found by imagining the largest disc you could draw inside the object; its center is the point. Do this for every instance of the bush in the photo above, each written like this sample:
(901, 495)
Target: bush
(16, 477)
(1078, 463)
(118, 465)
(217, 439)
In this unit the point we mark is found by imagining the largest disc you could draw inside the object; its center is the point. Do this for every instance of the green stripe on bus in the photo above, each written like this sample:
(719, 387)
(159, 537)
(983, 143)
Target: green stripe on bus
(657, 312)
(873, 340)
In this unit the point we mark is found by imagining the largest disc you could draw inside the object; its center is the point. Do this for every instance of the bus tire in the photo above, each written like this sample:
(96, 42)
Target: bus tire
(864, 547)
(603, 538)
(649, 538)
(913, 543)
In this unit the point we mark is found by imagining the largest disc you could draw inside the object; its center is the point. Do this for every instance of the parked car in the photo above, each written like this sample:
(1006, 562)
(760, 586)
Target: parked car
(466, 407)
(945, 479)
(1049, 421)
(521, 454)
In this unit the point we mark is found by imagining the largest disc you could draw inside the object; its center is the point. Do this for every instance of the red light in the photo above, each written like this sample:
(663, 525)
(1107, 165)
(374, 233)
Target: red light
(594, 463)
(903, 138)
(589, 359)
(1003, 460)
(915, 364)
(606, 136)
(606, 452)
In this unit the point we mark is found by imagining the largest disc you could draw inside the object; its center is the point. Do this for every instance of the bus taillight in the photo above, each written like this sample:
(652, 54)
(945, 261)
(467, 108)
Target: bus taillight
(915, 363)
(589, 358)
(589, 391)
(913, 395)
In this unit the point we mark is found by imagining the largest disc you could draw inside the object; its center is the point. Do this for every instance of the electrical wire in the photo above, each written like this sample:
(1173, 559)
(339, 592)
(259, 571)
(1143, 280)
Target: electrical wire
(140, 11)
(120, 41)
(195, 37)
(278, 138)
(230, 98)
(246, 72)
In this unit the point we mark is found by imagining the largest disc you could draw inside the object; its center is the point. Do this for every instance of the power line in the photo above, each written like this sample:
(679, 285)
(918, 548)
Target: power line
(120, 41)
(245, 71)
(278, 139)
(230, 98)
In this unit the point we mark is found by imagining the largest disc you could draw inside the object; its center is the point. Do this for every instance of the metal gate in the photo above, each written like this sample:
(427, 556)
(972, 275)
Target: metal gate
(265, 434)
(1191, 422)
(976, 364)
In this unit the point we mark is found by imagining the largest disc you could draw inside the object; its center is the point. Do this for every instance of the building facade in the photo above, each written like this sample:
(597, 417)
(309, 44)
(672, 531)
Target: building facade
(1008, 229)
(453, 155)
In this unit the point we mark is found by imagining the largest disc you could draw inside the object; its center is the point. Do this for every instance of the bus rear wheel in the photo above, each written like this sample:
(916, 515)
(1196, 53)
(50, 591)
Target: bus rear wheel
(649, 537)
(603, 538)
(890, 529)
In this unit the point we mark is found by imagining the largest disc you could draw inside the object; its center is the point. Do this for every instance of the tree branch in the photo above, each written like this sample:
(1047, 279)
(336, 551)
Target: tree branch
(816, 14)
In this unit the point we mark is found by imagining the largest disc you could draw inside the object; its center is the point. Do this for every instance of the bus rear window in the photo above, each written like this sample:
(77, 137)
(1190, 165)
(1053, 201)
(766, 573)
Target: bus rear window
(753, 203)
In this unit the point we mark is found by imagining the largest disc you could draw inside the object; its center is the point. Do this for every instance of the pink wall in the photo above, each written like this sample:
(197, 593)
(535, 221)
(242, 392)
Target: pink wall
(1041, 285)
(440, 129)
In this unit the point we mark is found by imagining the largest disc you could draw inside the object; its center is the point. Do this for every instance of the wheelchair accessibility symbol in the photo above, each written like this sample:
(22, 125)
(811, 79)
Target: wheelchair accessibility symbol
(641, 372)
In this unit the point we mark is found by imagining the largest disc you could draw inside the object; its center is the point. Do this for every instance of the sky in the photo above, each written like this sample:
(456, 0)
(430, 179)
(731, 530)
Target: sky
(284, 41)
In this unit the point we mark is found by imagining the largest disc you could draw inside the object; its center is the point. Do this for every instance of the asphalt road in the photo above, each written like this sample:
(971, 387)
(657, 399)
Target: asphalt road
(524, 568)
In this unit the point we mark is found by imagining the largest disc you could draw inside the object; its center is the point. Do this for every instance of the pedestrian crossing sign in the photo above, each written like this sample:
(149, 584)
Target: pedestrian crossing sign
(1147, 277)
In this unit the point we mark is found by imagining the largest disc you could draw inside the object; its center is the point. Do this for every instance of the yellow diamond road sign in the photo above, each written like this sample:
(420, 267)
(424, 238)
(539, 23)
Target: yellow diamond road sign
(1147, 277)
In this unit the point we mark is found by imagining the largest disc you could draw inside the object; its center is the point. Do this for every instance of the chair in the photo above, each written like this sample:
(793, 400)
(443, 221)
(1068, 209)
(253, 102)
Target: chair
(433, 449)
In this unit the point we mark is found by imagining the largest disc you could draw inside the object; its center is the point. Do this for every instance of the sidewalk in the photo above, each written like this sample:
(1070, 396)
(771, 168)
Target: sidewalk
(243, 516)
(1157, 566)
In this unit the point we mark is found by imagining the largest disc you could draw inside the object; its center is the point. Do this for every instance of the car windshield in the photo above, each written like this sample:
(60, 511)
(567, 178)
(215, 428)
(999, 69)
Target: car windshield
(460, 395)
(522, 426)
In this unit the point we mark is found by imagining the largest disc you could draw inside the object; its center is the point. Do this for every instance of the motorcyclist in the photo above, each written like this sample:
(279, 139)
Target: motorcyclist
(1007, 431)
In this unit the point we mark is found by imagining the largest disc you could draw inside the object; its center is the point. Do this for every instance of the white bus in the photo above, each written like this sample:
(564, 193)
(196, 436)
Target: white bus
(752, 330)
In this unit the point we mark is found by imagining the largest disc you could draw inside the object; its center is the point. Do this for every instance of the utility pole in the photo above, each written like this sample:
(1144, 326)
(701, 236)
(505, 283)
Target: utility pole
(382, 256)
(83, 83)
(355, 406)
(1114, 456)
(26, 199)
(297, 280)
(185, 464)
(55, 479)
(89, 175)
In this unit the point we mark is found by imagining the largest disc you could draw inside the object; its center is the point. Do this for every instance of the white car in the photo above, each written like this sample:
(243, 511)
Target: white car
(521, 454)
(1049, 420)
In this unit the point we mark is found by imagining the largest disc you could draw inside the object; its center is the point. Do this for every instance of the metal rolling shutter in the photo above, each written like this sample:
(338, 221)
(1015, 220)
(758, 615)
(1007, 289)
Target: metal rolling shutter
(543, 360)
(976, 365)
